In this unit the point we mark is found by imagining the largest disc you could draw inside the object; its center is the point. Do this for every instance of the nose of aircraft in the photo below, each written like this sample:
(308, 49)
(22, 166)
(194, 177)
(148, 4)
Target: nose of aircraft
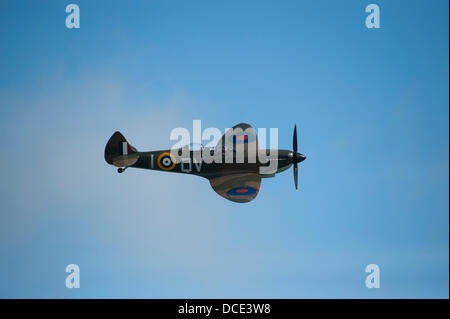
(299, 158)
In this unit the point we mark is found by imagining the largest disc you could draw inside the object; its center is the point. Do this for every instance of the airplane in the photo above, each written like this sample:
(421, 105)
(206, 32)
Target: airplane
(238, 180)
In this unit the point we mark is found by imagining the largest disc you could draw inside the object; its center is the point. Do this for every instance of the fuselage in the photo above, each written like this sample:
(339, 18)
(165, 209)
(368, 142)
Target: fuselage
(267, 163)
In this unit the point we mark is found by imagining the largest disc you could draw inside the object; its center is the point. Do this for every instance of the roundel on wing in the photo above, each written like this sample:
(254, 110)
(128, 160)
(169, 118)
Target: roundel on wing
(166, 161)
(242, 138)
(242, 191)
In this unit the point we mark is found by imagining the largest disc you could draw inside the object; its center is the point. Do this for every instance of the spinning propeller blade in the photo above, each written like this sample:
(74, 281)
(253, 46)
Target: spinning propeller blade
(296, 157)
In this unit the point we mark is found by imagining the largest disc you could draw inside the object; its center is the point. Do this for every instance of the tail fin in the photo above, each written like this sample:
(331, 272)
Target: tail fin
(119, 152)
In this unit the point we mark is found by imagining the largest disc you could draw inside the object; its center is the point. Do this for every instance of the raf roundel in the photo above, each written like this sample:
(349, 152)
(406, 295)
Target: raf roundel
(166, 161)
(246, 190)
(242, 138)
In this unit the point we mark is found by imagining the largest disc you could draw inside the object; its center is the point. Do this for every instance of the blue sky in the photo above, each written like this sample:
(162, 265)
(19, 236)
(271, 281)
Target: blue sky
(372, 111)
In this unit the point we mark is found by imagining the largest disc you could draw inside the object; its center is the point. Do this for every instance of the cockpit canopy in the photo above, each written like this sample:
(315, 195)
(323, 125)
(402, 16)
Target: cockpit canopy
(194, 147)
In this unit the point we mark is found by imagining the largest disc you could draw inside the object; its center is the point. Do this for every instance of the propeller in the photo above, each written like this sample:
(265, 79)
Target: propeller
(296, 157)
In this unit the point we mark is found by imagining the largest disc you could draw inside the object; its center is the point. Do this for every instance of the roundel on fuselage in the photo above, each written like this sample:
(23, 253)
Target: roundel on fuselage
(166, 161)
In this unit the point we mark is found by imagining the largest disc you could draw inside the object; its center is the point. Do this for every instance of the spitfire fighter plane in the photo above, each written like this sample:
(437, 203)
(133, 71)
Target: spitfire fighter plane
(235, 176)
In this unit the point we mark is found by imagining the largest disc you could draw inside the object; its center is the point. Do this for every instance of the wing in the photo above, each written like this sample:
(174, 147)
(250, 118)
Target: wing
(240, 135)
(240, 188)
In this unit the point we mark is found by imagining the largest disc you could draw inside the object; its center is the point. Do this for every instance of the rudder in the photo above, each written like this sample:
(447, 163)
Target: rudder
(119, 152)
